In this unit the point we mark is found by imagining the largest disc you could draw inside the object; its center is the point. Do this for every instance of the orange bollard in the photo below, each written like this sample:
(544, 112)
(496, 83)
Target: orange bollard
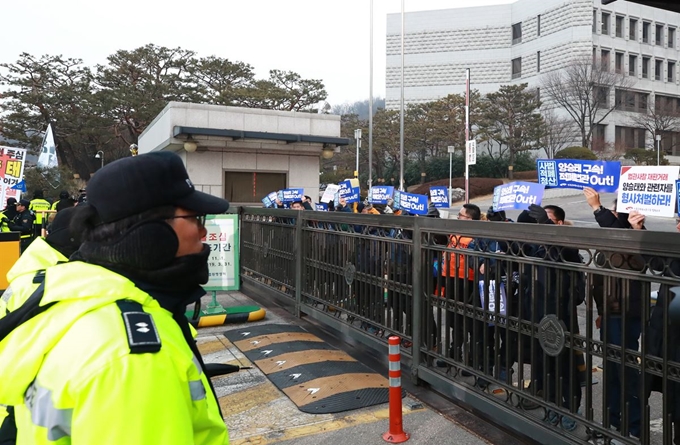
(396, 432)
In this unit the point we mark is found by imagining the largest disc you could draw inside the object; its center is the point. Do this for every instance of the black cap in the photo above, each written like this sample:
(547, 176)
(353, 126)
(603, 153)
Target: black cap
(63, 194)
(60, 236)
(11, 201)
(24, 202)
(135, 184)
(524, 217)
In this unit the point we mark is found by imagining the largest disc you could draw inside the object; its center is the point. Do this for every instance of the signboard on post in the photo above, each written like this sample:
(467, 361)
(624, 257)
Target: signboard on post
(11, 171)
(648, 189)
(223, 263)
(517, 195)
(471, 152)
(603, 176)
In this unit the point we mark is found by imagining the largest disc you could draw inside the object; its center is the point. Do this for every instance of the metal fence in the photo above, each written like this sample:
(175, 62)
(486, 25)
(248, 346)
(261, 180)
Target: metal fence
(552, 331)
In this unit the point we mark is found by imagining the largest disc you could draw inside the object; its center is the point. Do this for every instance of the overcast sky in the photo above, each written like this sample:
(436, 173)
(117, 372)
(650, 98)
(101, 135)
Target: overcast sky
(319, 39)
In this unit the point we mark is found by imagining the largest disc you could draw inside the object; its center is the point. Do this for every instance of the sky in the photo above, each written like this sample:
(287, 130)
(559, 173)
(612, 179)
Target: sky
(318, 39)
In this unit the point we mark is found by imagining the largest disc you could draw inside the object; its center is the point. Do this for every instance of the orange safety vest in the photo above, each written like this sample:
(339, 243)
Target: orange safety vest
(464, 262)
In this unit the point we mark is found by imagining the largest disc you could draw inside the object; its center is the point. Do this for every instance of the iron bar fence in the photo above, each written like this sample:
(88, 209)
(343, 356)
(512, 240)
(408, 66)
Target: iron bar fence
(560, 333)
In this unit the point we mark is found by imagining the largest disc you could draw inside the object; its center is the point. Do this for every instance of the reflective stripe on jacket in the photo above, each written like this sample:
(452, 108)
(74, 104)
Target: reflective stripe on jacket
(36, 206)
(74, 381)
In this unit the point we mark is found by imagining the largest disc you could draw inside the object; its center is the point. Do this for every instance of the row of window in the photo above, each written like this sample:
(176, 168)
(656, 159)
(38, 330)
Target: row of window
(619, 67)
(634, 29)
(633, 137)
(627, 100)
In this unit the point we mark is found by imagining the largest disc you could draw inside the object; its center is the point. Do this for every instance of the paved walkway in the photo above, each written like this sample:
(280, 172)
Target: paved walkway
(256, 412)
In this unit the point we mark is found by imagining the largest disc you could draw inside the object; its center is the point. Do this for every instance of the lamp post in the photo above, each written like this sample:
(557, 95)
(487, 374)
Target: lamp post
(357, 136)
(658, 148)
(100, 155)
(450, 149)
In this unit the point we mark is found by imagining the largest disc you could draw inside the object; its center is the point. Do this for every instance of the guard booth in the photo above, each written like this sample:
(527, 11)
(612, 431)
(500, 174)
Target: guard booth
(10, 250)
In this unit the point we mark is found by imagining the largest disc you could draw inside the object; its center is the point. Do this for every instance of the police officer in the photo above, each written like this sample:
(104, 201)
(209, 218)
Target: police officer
(114, 360)
(23, 222)
(7, 214)
(38, 203)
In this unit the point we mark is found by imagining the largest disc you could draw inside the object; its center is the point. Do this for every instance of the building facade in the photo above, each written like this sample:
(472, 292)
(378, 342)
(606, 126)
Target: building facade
(521, 42)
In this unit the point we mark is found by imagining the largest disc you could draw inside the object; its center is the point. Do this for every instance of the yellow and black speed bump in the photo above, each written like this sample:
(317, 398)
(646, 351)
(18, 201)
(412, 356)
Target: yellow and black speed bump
(318, 378)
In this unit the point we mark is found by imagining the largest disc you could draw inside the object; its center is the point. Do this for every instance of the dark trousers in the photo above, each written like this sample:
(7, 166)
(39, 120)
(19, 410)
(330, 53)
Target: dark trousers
(8, 429)
(613, 325)
(464, 329)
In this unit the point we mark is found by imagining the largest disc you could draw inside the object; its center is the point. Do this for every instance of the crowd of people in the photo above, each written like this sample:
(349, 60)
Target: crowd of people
(510, 286)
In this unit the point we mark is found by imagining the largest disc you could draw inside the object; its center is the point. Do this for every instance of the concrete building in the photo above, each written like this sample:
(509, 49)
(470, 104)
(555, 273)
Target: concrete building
(520, 42)
(242, 154)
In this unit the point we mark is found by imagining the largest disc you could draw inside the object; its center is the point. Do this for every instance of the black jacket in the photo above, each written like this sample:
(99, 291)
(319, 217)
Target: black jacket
(22, 222)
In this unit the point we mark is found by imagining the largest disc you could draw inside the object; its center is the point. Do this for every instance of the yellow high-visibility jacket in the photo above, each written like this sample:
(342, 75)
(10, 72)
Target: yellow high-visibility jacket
(73, 379)
(36, 206)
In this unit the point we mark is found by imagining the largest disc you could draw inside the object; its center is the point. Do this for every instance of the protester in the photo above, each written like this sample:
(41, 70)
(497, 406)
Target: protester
(88, 374)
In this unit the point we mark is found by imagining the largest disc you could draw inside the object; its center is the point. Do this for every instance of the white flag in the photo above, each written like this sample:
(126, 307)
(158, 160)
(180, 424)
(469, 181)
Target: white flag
(48, 151)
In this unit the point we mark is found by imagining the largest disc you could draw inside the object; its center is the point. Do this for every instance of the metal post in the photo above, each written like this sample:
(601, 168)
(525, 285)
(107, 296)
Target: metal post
(658, 149)
(467, 134)
(357, 137)
(450, 148)
(370, 109)
(419, 303)
(298, 265)
(401, 107)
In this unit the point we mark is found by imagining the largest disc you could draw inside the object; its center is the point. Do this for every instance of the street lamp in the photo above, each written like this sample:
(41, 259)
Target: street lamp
(658, 148)
(450, 149)
(100, 155)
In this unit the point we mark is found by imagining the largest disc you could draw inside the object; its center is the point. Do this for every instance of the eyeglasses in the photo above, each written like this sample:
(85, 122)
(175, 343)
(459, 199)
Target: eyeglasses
(200, 219)
(463, 216)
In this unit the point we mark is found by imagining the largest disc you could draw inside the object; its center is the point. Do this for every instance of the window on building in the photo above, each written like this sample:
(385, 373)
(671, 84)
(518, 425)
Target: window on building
(645, 67)
(517, 33)
(658, 68)
(516, 68)
(598, 137)
(646, 26)
(632, 29)
(632, 65)
(666, 104)
(538, 94)
(538, 61)
(605, 23)
(629, 137)
(619, 63)
(619, 26)
(604, 60)
(671, 37)
(670, 142)
(659, 35)
(251, 186)
(601, 96)
(671, 71)
(627, 100)
(538, 25)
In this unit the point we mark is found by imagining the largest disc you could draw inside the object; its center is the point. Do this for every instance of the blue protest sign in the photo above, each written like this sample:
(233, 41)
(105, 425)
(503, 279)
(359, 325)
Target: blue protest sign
(603, 176)
(380, 194)
(351, 194)
(517, 195)
(322, 207)
(412, 203)
(677, 192)
(292, 195)
(270, 199)
(440, 197)
(397, 200)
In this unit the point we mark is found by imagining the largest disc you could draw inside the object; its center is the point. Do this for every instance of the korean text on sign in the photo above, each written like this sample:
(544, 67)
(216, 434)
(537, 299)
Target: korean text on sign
(517, 195)
(575, 173)
(648, 189)
(439, 196)
(11, 172)
(380, 194)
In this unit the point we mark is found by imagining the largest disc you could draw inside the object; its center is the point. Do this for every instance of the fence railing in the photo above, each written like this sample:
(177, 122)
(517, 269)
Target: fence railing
(552, 331)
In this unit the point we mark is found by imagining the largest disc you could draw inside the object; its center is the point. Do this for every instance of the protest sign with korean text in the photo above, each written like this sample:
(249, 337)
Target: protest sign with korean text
(677, 193)
(270, 199)
(223, 264)
(517, 195)
(411, 203)
(380, 194)
(603, 176)
(292, 195)
(439, 196)
(329, 193)
(351, 194)
(11, 172)
(648, 189)
(321, 207)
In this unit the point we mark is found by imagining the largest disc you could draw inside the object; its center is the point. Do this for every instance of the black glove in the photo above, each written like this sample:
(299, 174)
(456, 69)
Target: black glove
(538, 213)
(5, 219)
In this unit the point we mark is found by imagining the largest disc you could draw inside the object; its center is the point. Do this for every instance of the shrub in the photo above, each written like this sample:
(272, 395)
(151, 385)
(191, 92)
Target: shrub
(643, 156)
(576, 153)
(478, 186)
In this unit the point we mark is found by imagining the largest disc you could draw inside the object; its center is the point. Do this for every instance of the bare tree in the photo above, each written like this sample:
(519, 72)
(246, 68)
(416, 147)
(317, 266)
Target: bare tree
(558, 133)
(583, 89)
(662, 119)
